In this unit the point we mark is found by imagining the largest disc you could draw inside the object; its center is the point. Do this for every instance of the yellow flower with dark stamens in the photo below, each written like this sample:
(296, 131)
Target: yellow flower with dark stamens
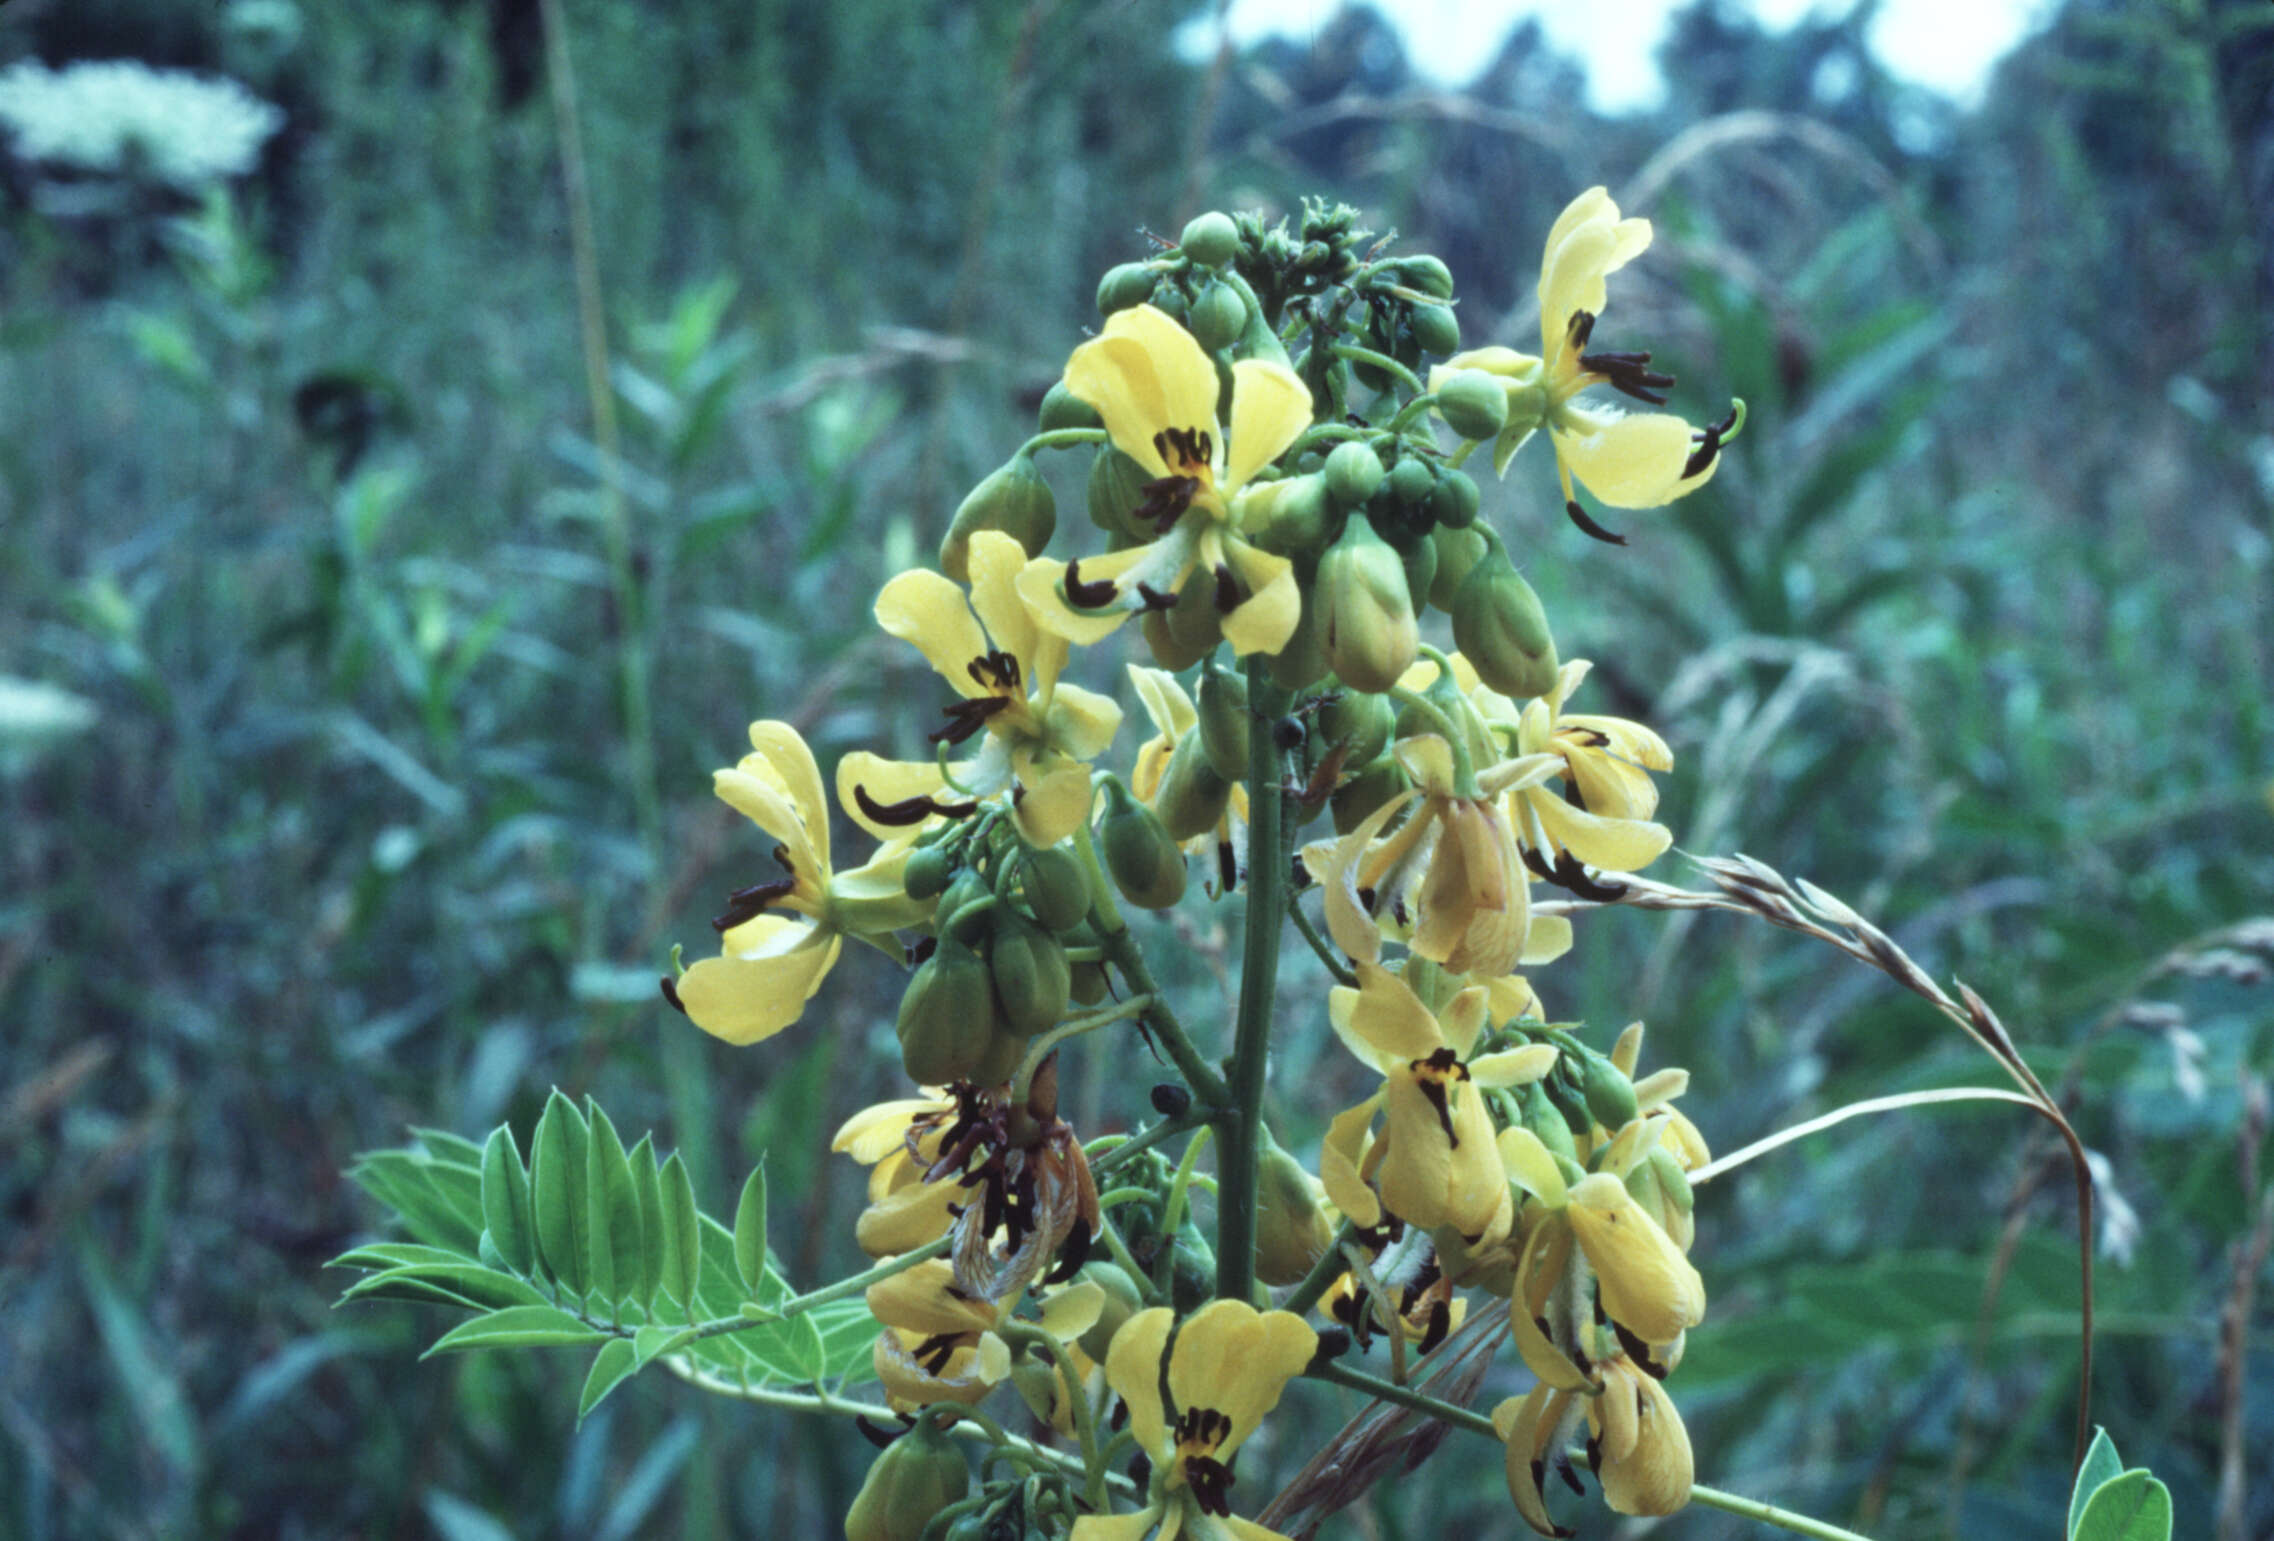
(1642, 1281)
(1156, 391)
(1637, 1444)
(779, 939)
(1173, 716)
(941, 1345)
(1629, 460)
(898, 1142)
(1437, 1163)
(1600, 815)
(1225, 1370)
(1448, 877)
(1038, 731)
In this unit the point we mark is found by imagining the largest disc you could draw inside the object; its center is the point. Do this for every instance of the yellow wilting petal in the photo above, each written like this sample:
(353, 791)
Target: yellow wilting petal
(1546, 939)
(924, 609)
(1336, 866)
(1270, 408)
(1633, 461)
(743, 999)
(1645, 1283)
(878, 1130)
(1539, 1266)
(1416, 1173)
(1656, 1473)
(923, 1299)
(1607, 844)
(1072, 1311)
(1388, 1017)
(1529, 1427)
(910, 1217)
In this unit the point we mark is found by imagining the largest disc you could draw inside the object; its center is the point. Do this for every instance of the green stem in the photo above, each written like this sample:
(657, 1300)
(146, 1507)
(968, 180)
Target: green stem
(1122, 952)
(1358, 355)
(1770, 1514)
(1239, 1125)
(1412, 410)
(798, 1305)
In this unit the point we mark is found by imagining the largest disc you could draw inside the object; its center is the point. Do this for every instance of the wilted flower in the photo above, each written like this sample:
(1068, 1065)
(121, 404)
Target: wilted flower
(1636, 1443)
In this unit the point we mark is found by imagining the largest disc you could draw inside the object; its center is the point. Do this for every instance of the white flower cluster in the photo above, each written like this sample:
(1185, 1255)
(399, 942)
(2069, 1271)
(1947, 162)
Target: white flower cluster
(117, 116)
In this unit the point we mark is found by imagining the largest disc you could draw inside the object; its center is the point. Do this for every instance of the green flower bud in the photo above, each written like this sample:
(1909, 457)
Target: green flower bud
(1289, 516)
(1413, 481)
(1061, 408)
(1116, 487)
(1458, 550)
(1055, 887)
(1218, 317)
(1359, 721)
(1454, 503)
(1192, 796)
(1499, 627)
(1223, 709)
(965, 910)
(911, 1481)
(1033, 982)
(1194, 620)
(1146, 865)
(1427, 274)
(1210, 239)
(1171, 301)
(1090, 984)
(1436, 328)
(1610, 1095)
(1473, 404)
(1303, 661)
(1014, 499)
(1001, 1060)
(927, 873)
(1353, 471)
(947, 1017)
(1125, 287)
(1544, 1118)
(1367, 791)
(1292, 1230)
(1167, 651)
(1368, 613)
(1121, 1303)
(1192, 1272)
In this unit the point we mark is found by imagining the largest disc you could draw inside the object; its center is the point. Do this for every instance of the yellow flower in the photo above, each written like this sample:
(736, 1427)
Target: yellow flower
(1450, 872)
(898, 1141)
(1156, 391)
(1225, 1371)
(1437, 1164)
(1636, 460)
(1605, 821)
(1038, 730)
(941, 1345)
(1173, 716)
(1638, 1445)
(770, 964)
(1647, 1288)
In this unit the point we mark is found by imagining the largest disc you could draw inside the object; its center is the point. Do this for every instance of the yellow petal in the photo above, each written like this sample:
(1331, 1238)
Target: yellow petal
(924, 609)
(754, 791)
(1387, 1016)
(1537, 1269)
(1145, 374)
(1072, 1311)
(1514, 1067)
(1348, 923)
(1042, 584)
(1342, 1156)
(785, 749)
(1610, 845)
(1416, 1172)
(1546, 939)
(1633, 461)
(1645, 1283)
(994, 1359)
(1532, 1166)
(996, 562)
(1262, 622)
(745, 999)
(1116, 1527)
(876, 1131)
(1237, 1360)
(1527, 1426)
(1270, 407)
(1133, 1368)
(1655, 1478)
(1164, 701)
(1056, 800)
(1081, 722)
(909, 1217)
(924, 1299)
(885, 781)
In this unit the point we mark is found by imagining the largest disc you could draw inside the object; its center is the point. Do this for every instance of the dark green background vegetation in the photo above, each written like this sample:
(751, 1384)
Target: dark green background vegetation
(398, 792)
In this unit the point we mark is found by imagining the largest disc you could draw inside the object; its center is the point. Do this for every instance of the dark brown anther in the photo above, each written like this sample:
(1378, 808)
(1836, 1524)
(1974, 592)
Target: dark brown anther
(1710, 440)
(909, 810)
(1085, 595)
(879, 1437)
(995, 671)
(1227, 867)
(1440, 1325)
(1154, 599)
(1580, 328)
(1630, 373)
(1171, 1100)
(1166, 499)
(1639, 1352)
(966, 718)
(670, 988)
(1586, 523)
(921, 953)
(1228, 595)
(747, 904)
(1571, 873)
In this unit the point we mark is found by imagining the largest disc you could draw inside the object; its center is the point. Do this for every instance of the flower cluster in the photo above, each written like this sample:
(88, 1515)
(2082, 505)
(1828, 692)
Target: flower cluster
(119, 116)
(1280, 524)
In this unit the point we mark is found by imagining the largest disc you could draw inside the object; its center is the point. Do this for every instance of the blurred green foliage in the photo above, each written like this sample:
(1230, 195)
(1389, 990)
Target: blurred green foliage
(324, 817)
